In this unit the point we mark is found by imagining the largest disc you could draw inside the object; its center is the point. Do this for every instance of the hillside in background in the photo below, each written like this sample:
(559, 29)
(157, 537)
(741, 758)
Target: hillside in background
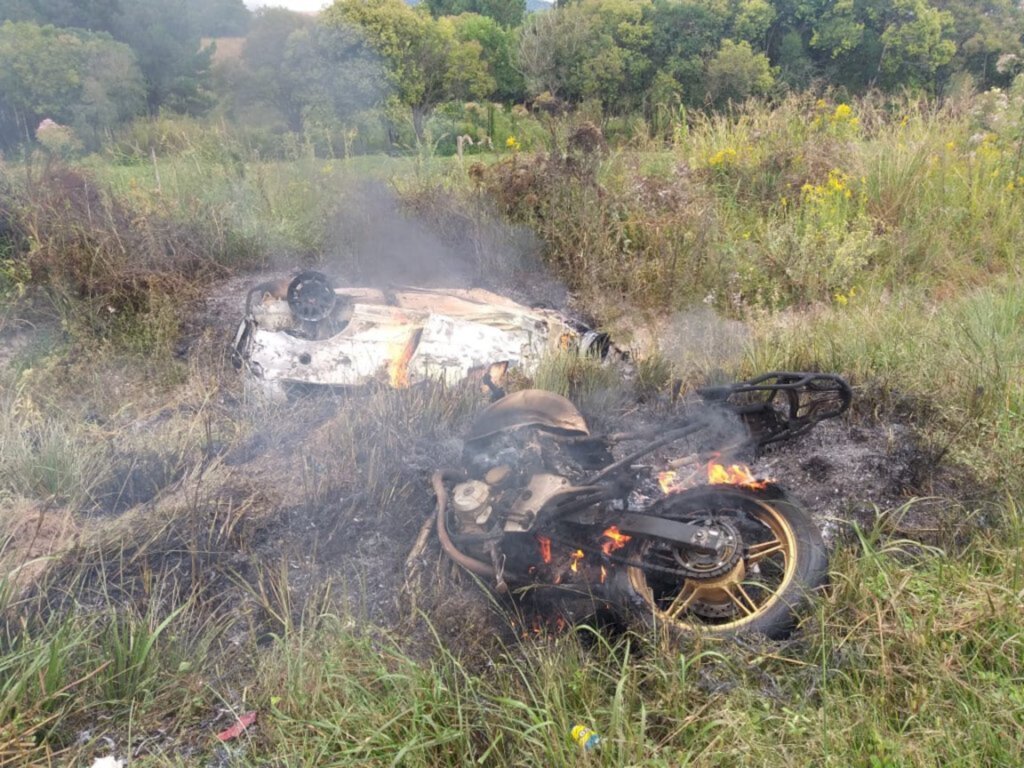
(382, 76)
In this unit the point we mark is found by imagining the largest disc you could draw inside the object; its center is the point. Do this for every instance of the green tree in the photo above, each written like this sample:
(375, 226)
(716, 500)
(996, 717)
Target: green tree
(793, 60)
(219, 18)
(266, 75)
(332, 72)
(983, 30)
(916, 45)
(839, 29)
(293, 69)
(75, 77)
(890, 43)
(425, 63)
(176, 68)
(164, 34)
(508, 13)
(736, 72)
(497, 47)
(97, 15)
(752, 21)
(590, 50)
(684, 35)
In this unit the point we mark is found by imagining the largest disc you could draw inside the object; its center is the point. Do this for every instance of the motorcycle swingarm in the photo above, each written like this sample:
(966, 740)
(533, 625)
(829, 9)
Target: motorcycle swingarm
(697, 538)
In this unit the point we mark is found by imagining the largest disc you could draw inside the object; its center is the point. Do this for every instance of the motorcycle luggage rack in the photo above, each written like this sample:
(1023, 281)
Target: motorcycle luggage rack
(782, 404)
(775, 406)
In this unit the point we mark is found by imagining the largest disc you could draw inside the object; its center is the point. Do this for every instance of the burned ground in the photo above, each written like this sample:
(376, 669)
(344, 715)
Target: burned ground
(285, 508)
(337, 484)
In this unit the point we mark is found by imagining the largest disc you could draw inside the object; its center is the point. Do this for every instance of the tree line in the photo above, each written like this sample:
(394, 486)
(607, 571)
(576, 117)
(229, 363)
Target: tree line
(95, 64)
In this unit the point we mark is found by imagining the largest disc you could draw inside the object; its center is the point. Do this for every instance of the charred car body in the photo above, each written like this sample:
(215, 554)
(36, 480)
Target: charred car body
(307, 332)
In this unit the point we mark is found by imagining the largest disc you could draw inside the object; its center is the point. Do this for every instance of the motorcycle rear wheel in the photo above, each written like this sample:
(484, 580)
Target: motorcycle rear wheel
(781, 560)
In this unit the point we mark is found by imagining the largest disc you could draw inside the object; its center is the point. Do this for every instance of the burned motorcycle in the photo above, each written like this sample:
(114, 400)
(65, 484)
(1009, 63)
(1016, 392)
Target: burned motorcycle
(539, 502)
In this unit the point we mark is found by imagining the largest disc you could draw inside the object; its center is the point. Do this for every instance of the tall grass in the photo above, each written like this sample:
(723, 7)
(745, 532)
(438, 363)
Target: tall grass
(59, 675)
(782, 206)
(956, 362)
(50, 459)
(912, 644)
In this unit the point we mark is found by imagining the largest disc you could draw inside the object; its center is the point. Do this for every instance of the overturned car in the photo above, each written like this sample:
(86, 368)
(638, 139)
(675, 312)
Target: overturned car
(306, 332)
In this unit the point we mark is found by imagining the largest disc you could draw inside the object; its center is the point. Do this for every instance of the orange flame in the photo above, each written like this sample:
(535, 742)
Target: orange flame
(574, 560)
(717, 474)
(667, 481)
(545, 548)
(400, 354)
(616, 540)
(543, 626)
(734, 474)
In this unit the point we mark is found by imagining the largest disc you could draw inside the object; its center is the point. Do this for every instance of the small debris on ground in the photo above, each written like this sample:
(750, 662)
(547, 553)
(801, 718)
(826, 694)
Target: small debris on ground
(236, 730)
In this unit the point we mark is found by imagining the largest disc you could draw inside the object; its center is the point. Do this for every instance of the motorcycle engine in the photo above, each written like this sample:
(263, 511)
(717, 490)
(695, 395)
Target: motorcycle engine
(522, 452)
(509, 484)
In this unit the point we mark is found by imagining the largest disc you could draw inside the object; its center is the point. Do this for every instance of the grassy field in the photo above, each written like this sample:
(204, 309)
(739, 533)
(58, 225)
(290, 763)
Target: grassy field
(145, 599)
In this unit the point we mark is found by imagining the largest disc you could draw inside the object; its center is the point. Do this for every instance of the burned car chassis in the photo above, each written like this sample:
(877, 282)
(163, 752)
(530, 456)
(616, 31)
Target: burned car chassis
(306, 332)
(540, 502)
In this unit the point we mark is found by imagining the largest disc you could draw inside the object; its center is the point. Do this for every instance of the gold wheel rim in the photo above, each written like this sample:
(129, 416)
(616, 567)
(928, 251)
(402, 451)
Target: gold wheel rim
(749, 600)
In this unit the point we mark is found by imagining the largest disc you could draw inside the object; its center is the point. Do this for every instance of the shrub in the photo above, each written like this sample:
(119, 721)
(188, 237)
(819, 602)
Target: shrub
(107, 267)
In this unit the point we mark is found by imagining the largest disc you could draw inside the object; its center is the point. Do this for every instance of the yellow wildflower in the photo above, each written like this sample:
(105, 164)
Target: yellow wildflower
(723, 157)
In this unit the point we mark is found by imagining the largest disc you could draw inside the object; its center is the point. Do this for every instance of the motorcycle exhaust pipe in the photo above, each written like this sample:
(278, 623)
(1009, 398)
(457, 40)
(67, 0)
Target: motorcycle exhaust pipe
(471, 564)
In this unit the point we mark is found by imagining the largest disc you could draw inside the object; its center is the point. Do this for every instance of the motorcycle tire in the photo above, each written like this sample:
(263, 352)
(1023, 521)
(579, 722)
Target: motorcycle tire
(760, 586)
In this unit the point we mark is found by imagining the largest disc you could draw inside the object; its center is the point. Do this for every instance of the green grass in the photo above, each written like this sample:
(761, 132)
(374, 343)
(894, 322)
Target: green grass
(894, 660)
(957, 362)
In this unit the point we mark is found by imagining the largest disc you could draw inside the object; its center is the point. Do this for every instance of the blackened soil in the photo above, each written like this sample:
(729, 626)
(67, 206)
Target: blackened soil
(847, 472)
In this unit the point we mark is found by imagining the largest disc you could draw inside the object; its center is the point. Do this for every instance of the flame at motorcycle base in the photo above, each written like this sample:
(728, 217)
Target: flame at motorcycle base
(662, 525)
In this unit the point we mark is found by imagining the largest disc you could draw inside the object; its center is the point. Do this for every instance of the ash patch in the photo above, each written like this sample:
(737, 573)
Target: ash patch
(838, 467)
(846, 472)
